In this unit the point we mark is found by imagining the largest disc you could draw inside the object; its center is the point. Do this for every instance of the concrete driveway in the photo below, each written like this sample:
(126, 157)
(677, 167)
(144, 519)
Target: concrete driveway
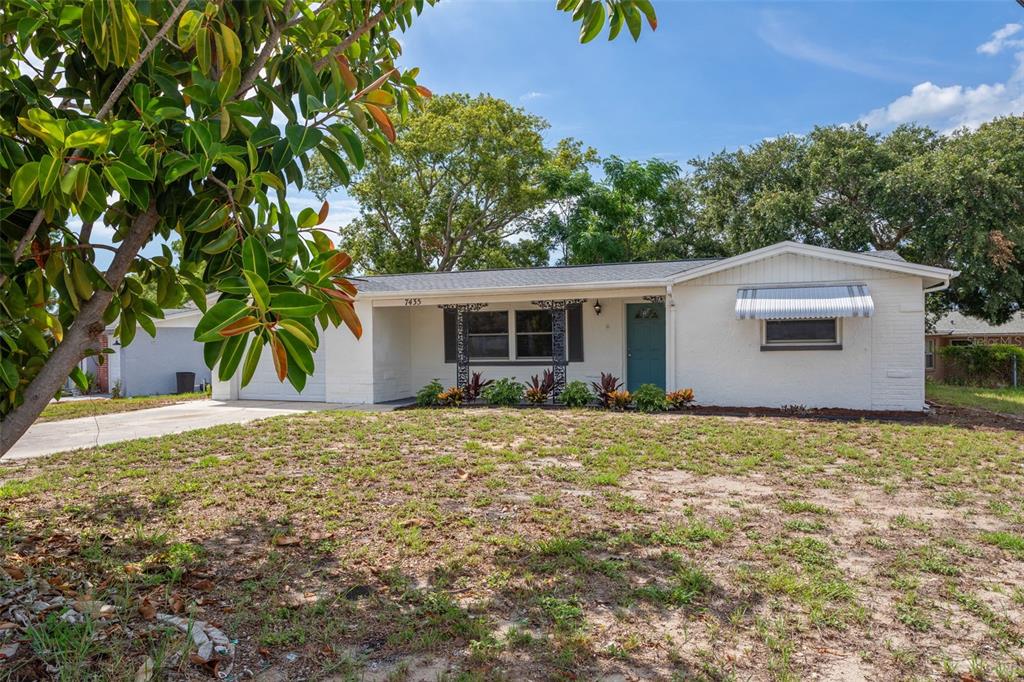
(87, 432)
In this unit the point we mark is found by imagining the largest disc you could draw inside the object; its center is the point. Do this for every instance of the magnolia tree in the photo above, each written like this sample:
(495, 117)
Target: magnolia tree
(190, 120)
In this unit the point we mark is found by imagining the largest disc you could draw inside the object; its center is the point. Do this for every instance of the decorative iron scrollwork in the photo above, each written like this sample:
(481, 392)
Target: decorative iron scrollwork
(559, 356)
(462, 338)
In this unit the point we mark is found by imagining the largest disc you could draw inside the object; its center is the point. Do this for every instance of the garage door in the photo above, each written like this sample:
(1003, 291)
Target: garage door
(265, 386)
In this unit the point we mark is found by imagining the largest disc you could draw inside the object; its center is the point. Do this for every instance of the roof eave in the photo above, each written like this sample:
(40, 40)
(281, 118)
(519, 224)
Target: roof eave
(939, 275)
(522, 289)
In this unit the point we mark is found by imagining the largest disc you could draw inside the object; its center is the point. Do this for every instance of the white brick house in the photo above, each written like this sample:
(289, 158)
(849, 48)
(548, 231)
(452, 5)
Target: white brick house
(789, 324)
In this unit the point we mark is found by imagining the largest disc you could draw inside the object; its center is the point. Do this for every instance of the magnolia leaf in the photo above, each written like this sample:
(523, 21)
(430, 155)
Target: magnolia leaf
(24, 183)
(294, 304)
(280, 356)
(217, 317)
(382, 120)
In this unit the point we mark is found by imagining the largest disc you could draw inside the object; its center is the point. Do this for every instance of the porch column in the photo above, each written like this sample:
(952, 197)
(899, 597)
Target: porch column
(462, 339)
(559, 356)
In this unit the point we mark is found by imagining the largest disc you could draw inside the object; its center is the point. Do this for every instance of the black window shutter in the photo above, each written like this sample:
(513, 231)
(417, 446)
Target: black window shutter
(449, 336)
(574, 315)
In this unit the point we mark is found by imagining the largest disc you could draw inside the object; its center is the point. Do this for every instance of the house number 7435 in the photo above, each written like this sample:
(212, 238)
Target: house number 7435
(412, 301)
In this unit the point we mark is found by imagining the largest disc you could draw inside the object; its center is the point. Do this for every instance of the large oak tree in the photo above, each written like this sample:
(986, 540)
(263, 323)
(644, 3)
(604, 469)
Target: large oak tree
(453, 192)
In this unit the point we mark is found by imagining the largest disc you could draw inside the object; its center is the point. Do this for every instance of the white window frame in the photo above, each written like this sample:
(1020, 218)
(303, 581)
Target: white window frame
(929, 353)
(806, 344)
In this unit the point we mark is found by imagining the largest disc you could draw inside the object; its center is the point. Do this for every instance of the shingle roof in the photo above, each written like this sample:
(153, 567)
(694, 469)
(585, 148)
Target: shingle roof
(887, 255)
(958, 324)
(605, 273)
(654, 271)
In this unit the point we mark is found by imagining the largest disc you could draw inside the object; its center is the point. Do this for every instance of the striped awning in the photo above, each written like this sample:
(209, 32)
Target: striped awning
(804, 303)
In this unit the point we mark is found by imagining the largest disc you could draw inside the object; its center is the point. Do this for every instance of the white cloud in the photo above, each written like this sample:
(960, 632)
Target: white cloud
(999, 41)
(533, 94)
(957, 106)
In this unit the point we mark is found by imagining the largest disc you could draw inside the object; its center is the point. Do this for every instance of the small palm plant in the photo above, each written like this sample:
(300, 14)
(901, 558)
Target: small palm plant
(538, 390)
(475, 387)
(609, 384)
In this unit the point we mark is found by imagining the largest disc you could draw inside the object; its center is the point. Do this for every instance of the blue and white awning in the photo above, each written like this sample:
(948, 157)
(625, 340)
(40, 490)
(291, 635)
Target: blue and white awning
(804, 303)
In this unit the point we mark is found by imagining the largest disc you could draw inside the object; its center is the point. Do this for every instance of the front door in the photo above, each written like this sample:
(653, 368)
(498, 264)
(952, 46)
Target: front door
(645, 344)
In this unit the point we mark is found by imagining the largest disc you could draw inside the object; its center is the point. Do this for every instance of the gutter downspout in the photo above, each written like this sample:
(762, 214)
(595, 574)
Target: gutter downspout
(670, 339)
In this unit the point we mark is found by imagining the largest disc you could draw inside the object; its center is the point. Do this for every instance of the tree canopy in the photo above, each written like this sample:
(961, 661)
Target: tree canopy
(190, 120)
(954, 201)
(452, 192)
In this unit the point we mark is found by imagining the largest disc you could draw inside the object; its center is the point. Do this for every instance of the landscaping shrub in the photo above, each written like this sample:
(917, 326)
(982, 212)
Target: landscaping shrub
(451, 397)
(619, 400)
(680, 400)
(609, 384)
(649, 398)
(984, 364)
(504, 392)
(576, 394)
(476, 386)
(538, 390)
(428, 395)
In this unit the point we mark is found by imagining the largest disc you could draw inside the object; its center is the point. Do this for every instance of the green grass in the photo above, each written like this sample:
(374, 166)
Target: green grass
(73, 409)
(1004, 400)
(540, 544)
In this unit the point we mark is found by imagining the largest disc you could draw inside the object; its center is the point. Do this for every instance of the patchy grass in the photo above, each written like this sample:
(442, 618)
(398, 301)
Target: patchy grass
(503, 544)
(1003, 400)
(72, 409)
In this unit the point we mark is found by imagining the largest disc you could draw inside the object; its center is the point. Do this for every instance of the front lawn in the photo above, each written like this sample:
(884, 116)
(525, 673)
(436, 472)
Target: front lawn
(517, 544)
(1004, 400)
(72, 409)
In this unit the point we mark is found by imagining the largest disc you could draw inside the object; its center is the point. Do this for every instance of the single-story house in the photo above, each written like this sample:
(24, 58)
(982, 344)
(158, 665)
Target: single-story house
(789, 324)
(957, 329)
(149, 365)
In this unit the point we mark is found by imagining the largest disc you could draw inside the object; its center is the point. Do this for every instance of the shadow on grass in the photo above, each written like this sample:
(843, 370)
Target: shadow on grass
(541, 609)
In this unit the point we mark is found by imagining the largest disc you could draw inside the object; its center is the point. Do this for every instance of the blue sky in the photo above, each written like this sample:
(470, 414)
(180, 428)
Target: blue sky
(718, 75)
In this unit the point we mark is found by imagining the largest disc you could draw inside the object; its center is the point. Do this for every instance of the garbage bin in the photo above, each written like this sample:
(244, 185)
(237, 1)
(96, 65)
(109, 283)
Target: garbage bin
(186, 381)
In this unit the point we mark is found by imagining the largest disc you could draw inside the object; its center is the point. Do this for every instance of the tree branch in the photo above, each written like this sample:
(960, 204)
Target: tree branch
(80, 336)
(352, 37)
(115, 94)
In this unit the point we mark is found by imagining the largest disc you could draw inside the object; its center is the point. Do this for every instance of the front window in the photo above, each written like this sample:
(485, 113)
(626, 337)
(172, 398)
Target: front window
(929, 353)
(533, 334)
(488, 334)
(801, 333)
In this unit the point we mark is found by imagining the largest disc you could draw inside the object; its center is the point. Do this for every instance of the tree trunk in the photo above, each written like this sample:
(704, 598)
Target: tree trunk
(80, 336)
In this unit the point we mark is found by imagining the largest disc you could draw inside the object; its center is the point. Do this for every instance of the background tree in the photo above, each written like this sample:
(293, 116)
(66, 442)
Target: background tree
(638, 211)
(451, 193)
(952, 201)
(159, 119)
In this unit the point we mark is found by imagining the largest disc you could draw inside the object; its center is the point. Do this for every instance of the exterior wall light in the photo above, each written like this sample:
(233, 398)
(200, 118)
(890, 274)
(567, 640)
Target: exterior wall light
(597, 307)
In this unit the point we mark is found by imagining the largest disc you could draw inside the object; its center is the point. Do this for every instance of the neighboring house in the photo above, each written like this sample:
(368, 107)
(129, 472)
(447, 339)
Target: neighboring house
(149, 364)
(789, 324)
(957, 329)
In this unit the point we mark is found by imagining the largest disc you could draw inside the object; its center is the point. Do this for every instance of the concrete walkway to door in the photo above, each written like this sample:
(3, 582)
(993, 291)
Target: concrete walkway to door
(87, 432)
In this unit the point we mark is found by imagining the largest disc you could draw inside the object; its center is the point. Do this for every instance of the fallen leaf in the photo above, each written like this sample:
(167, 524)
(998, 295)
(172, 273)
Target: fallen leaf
(286, 540)
(145, 671)
(14, 572)
(177, 604)
(94, 609)
(295, 599)
(147, 610)
(203, 585)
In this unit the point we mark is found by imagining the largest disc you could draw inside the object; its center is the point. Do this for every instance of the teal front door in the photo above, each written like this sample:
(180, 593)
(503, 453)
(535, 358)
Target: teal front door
(645, 344)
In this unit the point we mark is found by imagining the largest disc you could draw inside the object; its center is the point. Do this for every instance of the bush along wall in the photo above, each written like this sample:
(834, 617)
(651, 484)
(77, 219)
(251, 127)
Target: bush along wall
(991, 365)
